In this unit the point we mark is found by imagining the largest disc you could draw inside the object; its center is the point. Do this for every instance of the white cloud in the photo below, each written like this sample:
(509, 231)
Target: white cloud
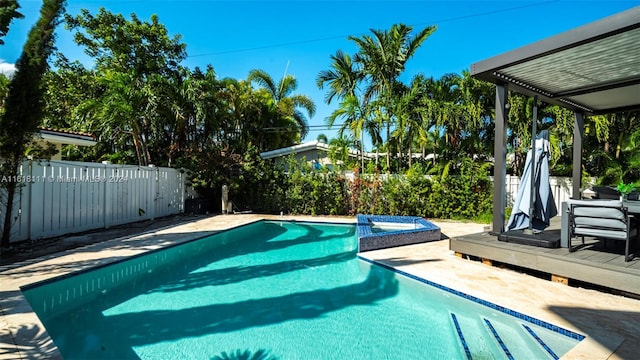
(7, 69)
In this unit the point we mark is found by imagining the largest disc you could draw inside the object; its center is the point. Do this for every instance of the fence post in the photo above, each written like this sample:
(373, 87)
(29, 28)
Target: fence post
(153, 191)
(29, 199)
(104, 184)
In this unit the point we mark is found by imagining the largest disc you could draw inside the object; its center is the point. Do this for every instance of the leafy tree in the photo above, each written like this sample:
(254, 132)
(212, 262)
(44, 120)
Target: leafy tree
(8, 12)
(130, 58)
(24, 103)
(4, 89)
(612, 150)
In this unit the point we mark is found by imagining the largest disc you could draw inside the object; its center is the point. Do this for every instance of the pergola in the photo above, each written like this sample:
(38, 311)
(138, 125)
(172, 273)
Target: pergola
(592, 69)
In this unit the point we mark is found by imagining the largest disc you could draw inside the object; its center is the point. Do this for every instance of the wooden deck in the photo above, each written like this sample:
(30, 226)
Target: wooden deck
(594, 263)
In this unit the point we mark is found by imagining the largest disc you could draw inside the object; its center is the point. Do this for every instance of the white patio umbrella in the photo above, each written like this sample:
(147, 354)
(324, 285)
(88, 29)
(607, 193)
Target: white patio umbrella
(544, 207)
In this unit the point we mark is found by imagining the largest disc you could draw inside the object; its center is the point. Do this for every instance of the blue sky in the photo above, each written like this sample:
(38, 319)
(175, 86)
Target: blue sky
(299, 36)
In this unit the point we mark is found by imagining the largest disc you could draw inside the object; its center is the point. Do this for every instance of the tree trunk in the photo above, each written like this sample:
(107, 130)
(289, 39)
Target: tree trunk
(388, 146)
(11, 190)
(136, 143)
(6, 229)
(410, 156)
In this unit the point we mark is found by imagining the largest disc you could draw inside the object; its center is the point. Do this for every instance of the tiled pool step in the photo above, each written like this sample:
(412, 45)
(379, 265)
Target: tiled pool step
(509, 342)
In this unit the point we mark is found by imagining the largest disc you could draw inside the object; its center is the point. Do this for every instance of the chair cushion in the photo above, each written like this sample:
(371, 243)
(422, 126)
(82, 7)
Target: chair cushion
(609, 203)
(599, 212)
(599, 218)
(609, 234)
(589, 222)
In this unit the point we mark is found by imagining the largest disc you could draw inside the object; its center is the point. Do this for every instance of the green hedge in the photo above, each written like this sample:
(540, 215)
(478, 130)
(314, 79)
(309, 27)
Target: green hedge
(264, 187)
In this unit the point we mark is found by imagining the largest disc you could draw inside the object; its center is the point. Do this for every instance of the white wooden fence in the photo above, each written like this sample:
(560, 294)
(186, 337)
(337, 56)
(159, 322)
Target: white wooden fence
(60, 197)
(561, 188)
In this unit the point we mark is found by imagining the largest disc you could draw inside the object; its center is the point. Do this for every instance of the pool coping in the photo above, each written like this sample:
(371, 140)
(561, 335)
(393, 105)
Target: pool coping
(516, 314)
(368, 240)
(22, 335)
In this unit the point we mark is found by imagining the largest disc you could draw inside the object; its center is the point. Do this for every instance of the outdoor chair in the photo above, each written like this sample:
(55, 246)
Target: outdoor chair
(610, 192)
(605, 219)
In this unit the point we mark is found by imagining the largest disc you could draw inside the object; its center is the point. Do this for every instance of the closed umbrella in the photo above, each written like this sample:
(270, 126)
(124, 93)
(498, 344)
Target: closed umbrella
(544, 207)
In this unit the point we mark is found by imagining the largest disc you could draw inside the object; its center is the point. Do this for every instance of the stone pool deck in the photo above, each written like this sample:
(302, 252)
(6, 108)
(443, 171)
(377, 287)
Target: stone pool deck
(611, 323)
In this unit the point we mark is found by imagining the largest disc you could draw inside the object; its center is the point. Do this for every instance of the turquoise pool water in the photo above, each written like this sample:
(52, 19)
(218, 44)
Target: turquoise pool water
(287, 289)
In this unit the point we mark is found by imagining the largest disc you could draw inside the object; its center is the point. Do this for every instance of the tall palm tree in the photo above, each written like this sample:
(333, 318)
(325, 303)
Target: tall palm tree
(343, 80)
(287, 103)
(383, 57)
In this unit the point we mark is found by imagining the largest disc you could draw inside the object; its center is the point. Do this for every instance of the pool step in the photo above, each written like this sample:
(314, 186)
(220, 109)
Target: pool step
(482, 338)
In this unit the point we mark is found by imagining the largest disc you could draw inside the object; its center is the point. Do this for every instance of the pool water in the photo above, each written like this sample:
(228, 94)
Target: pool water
(277, 290)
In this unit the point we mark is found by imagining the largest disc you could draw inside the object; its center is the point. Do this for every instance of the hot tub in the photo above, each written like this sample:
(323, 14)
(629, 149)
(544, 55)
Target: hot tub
(384, 231)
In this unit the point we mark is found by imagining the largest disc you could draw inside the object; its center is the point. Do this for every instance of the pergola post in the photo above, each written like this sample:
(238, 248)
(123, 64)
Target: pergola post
(578, 134)
(500, 158)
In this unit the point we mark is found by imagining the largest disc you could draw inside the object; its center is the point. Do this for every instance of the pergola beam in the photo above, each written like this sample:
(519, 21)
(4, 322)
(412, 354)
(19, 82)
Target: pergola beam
(500, 157)
(578, 134)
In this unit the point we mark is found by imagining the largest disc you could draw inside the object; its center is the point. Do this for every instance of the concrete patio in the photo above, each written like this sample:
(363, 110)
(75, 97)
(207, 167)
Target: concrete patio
(611, 323)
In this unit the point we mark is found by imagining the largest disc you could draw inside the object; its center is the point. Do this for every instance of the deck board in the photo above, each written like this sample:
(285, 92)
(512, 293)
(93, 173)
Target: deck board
(594, 263)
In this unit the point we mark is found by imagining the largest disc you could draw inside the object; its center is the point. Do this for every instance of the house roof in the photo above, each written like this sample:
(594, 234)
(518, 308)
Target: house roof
(593, 69)
(311, 145)
(67, 137)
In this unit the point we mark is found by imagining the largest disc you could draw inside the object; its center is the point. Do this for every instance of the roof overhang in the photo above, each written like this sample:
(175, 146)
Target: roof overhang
(311, 145)
(594, 69)
(67, 138)
(295, 149)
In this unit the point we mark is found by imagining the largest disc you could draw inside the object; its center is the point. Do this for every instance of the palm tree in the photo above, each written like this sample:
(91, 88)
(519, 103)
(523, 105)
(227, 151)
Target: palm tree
(382, 58)
(322, 138)
(354, 117)
(339, 151)
(413, 110)
(457, 111)
(288, 104)
(342, 79)
(433, 143)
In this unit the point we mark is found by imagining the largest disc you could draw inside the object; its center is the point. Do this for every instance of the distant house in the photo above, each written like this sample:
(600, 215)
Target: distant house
(63, 137)
(316, 153)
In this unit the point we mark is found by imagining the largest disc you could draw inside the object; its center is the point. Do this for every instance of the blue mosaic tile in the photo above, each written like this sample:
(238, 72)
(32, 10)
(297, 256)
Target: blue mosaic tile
(499, 339)
(541, 342)
(369, 240)
(461, 337)
(491, 305)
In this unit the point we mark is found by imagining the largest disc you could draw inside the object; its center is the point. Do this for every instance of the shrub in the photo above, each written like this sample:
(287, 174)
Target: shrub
(303, 190)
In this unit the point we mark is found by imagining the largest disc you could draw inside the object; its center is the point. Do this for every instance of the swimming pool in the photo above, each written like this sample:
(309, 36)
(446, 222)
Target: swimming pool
(288, 289)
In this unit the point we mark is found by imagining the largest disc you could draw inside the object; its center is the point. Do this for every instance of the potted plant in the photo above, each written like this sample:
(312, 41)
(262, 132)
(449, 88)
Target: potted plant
(625, 190)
